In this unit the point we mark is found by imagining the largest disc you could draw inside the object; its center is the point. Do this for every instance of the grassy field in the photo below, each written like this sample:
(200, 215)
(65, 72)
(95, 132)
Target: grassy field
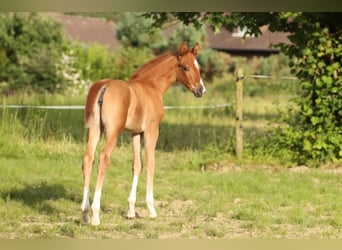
(201, 189)
(40, 198)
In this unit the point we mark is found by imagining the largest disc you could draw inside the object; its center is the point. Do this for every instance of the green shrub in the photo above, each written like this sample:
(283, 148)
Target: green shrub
(314, 131)
(213, 63)
(189, 34)
(82, 66)
(134, 31)
(274, 65)
(41, 71)
(94, 61)
(31, 46)
(128, 60)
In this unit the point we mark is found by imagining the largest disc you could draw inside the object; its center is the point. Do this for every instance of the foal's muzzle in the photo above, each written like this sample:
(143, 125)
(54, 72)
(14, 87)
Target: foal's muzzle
(199, 91)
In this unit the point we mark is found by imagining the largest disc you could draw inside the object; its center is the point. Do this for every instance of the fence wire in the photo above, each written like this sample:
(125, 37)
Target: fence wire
(80, 107)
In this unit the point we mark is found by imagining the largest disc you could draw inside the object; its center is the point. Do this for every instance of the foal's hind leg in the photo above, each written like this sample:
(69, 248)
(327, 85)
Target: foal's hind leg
(88, 158)
(137, 165)
(103, 166)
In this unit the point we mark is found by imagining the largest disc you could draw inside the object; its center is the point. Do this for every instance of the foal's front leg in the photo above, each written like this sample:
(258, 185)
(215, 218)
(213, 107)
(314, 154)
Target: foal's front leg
(137, 165)
(151, 138)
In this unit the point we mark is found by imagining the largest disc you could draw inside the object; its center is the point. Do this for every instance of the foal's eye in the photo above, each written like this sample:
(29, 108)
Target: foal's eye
(185, 68)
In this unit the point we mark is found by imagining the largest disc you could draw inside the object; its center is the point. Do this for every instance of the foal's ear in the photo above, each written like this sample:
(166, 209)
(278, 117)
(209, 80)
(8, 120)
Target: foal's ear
(183, 48)
(195, 49)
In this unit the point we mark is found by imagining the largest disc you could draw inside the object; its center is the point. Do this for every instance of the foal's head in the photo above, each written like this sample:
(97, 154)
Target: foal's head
(188, 71)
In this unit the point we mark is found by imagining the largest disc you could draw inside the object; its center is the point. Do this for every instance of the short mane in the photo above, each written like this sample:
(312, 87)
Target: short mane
(150, 65)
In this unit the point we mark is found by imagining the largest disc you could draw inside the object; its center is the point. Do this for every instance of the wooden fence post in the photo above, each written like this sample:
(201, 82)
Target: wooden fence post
(239, 113)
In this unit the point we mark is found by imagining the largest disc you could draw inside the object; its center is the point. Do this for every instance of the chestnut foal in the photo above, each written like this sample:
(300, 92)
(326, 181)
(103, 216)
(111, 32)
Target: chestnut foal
(136, 106)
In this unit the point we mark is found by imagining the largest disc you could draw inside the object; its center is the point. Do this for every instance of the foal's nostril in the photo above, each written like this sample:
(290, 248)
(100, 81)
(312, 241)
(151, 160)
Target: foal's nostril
(199, 91)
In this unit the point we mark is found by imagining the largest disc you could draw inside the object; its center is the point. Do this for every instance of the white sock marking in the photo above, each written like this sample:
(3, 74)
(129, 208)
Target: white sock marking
(133, 195)
(96, 202)
(85, 202)
(150, 205)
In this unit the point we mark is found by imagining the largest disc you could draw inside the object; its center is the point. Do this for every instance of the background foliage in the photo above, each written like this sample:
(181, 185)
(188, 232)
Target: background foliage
(314, 131)
(133, 30)
(195, 152)
(30, 46)
(35, 56)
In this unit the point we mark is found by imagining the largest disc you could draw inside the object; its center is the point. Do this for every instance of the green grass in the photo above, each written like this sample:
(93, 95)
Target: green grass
(40, 198)
(201, 189)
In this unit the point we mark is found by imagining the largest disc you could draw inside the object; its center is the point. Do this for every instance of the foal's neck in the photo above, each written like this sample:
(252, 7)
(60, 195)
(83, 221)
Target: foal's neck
(159, 73)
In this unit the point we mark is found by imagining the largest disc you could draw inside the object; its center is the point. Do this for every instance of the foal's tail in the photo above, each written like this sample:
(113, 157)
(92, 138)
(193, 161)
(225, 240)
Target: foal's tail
(92, 107)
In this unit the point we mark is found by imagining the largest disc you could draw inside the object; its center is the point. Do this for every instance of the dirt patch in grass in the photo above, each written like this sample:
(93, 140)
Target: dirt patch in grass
(227, 166)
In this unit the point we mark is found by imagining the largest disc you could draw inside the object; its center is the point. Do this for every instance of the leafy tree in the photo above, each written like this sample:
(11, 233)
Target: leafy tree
(314, 131)
(213, 64)
(30, 47)
(82, 66)
(187, 33)
(133, 30)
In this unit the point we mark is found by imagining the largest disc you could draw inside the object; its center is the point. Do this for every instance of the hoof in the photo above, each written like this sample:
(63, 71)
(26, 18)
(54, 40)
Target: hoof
(132, 216)
(85, 218)
(95, 221)
(153, 215)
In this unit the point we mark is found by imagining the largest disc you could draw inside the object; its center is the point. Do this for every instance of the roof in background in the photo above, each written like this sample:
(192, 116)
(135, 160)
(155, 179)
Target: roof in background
(228, 41)
(88, 29)
(98, 30)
